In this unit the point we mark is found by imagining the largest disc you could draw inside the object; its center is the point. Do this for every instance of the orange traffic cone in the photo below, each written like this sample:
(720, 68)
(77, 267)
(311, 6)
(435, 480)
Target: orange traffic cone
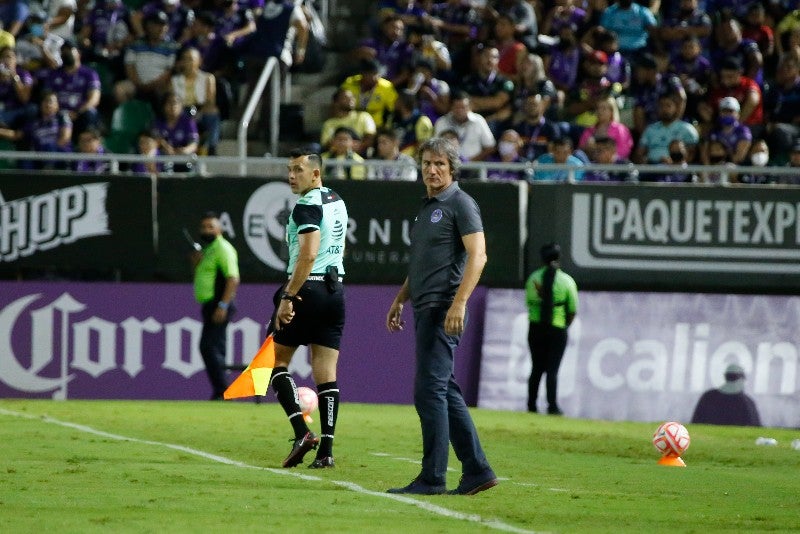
(671, 460)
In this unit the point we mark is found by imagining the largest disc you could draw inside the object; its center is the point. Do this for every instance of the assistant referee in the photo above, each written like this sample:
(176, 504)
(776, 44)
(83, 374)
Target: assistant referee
(309, 308)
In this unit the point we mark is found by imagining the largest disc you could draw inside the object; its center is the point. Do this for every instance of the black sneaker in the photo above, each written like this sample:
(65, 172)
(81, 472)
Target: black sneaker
(299, 449)
(419, 487)
(554, 410)
(472, 484)
(322, 463)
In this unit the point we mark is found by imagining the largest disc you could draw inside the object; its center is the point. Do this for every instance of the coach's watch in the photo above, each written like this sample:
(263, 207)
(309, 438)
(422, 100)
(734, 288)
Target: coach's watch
(290, 298)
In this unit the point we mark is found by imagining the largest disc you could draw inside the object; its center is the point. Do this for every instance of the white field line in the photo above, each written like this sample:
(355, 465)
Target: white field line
(429, 507)
(506, 479)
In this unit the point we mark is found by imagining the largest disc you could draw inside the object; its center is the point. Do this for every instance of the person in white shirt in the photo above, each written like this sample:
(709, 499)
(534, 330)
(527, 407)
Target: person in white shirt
(476, 141)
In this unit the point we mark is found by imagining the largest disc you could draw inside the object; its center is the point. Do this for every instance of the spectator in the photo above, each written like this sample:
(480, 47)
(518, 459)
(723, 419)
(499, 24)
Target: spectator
(653, 146)
(695, 73)
(782, 107)
(758, 157)
(77, 88)
(38, 49)
(734, 136)
(408, 11)
(787, 27)
(61, 18)
(6, 38)
(512, 51)
(618, 68)
(147, 145)
(508, 151)
(432, 93)
(678, 155)
(633, 23)
(374, 94)
(717, 156)
(176, 131)
(476, 140)
(233, 23)
(754, 28)
(536, 130)
(149, 61)
(490, 92)
(179, 19)
(50, 131)
(606, 152)
(387, 146)
(690, 21)
(105, 33)
(733, 83)
(213, 47)
(533, 80)
(522, 13)
(13, 14)
(650, 85)
(607, 126)
(344, 113)
(559, 152)
(198, 91)
(563, 13)
(16, 86)
(592, 86)
(729, 44)
(391, 49)
(457, 22)
(562, 63)
(412, 127)
(341, 149)
(794, 162)
(89, 142)
(427, 47)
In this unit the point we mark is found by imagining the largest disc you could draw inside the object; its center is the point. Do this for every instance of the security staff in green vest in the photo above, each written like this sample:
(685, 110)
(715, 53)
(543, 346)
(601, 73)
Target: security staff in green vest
(216, 278)
(552, 298)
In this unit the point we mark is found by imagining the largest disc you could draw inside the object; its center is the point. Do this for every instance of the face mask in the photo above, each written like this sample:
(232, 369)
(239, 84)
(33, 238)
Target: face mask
(37, 30)
(506, 148)
(727, 120)
(676, 156)
(759, 159)
(68, 60)
(207, 238)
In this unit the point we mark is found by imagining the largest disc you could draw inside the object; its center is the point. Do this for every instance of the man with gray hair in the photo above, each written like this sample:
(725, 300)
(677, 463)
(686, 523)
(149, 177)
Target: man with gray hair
(448, 253)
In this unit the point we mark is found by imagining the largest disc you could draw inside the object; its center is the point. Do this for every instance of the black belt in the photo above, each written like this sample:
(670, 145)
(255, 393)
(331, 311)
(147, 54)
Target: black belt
(317, 278)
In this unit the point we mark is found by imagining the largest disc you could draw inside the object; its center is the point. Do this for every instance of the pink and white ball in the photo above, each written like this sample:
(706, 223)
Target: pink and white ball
(671, 439)
(308, 400)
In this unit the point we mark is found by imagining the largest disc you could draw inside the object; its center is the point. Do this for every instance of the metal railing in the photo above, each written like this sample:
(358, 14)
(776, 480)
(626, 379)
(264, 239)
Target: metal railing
(271, 73)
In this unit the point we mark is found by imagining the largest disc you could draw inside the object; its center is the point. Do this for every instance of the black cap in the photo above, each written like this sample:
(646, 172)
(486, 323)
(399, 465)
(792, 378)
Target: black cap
(157, 16)
(550, 252)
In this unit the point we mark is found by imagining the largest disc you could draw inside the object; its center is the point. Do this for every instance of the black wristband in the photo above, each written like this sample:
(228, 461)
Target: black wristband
(290, 298)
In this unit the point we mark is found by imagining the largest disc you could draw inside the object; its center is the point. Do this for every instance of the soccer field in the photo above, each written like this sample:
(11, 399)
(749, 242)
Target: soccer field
(122, 466)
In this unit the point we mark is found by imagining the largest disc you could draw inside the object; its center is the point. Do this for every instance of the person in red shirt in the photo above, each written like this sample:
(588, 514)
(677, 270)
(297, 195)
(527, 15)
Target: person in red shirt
(732, 82)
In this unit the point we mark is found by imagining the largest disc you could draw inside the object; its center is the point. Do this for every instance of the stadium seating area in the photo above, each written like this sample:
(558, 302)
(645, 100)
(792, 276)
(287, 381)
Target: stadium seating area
(571, 82)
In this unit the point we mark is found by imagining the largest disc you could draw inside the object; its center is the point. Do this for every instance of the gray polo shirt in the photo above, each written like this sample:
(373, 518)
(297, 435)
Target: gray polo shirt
(438, 255)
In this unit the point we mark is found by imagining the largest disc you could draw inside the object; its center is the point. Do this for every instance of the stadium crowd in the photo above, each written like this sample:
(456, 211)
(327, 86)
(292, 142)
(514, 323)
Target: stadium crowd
(711, 82)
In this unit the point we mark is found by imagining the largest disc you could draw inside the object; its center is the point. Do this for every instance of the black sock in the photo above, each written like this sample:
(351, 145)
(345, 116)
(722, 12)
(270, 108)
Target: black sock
(328, 412)
(286, 391)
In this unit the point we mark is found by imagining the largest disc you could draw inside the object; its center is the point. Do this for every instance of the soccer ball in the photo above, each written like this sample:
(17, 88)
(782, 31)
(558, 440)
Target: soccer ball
(671, 439)
(308, 399)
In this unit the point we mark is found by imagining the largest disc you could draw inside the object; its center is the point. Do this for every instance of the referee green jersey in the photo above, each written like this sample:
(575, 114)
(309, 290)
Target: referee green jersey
(219, 262)
(324, 210)
(565, 297)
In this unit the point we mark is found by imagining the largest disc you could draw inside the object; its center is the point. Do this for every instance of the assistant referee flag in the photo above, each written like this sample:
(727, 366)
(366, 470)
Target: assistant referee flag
(255, 379)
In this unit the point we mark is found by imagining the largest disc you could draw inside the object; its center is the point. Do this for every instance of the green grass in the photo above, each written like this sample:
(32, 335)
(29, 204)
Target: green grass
(558, 474)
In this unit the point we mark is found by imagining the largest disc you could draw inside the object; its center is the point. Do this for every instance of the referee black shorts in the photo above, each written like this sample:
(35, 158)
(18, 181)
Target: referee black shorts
(318, 317)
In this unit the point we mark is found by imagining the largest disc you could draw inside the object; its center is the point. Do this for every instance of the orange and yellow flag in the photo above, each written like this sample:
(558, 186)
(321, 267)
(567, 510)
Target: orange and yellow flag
(255, 379)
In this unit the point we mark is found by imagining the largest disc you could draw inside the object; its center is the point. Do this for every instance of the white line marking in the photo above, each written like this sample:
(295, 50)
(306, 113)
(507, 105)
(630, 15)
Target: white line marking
(429, 507)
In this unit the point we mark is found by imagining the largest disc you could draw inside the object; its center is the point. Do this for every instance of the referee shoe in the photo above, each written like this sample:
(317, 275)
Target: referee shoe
(299, 449)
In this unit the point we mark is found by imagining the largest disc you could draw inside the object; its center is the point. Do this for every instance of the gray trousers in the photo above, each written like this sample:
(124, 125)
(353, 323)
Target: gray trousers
(440, 405)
